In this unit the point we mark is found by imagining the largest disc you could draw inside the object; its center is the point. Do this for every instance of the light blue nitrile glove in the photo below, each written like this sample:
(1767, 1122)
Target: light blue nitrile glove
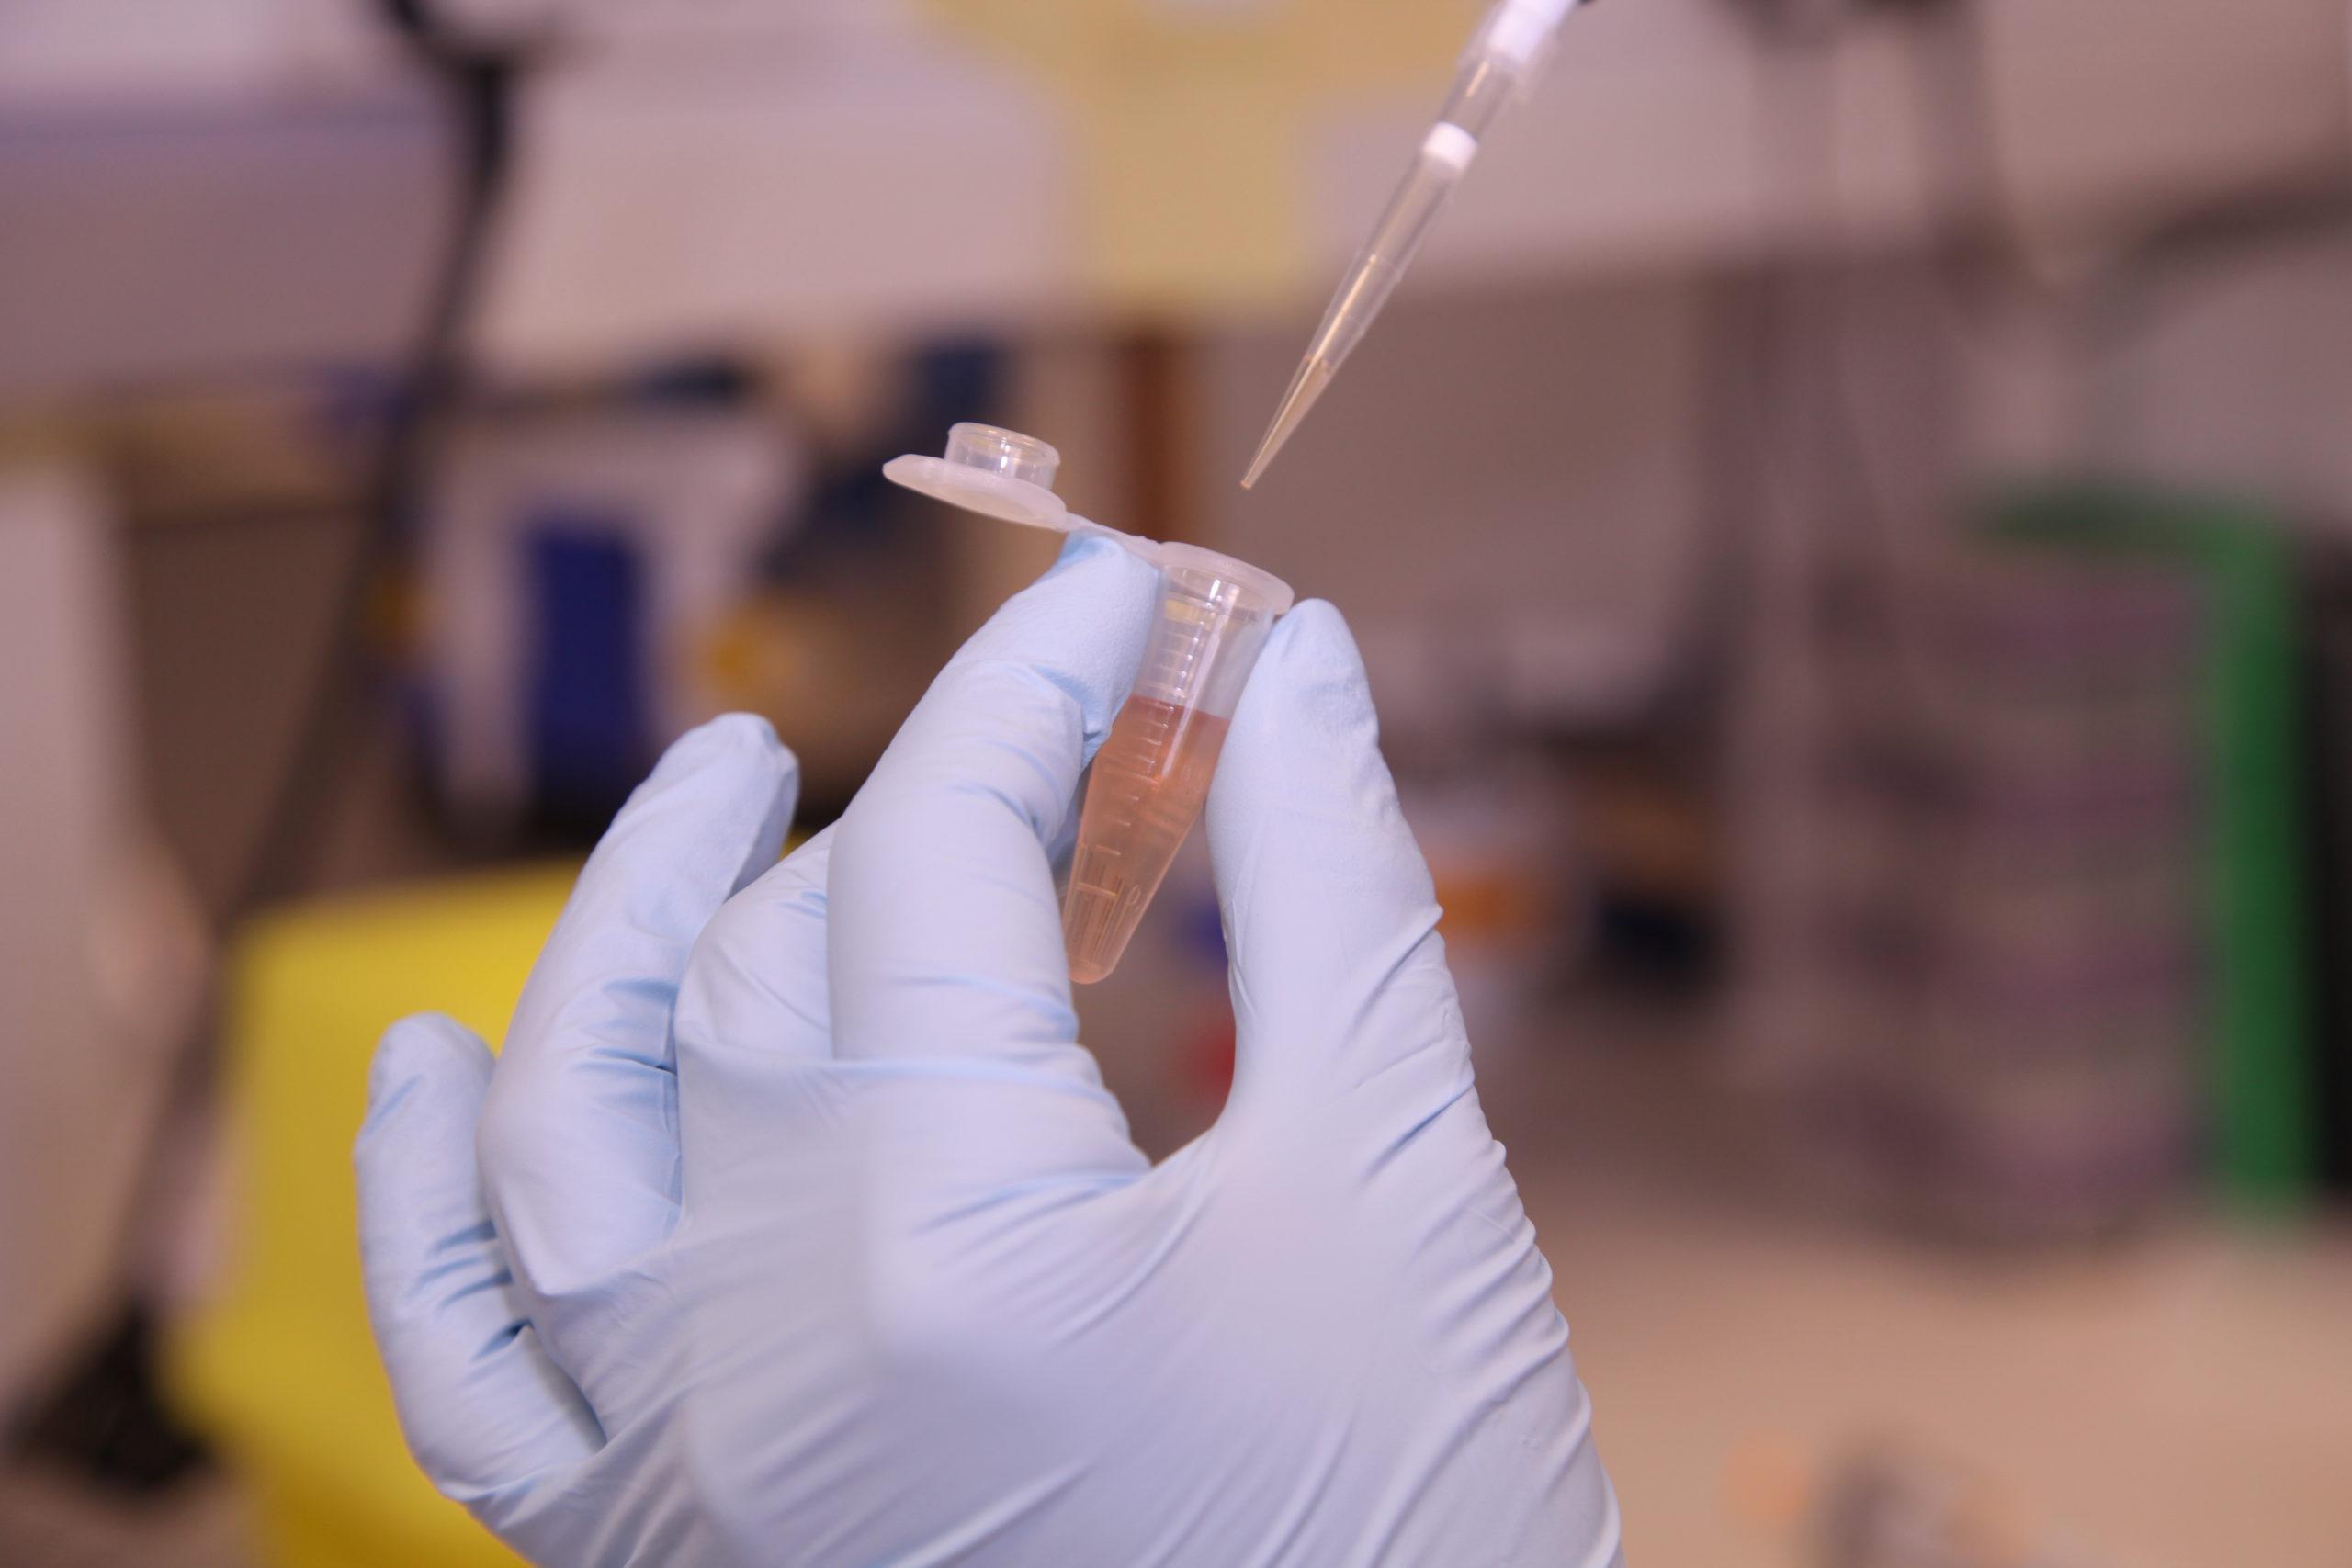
(795, 1227)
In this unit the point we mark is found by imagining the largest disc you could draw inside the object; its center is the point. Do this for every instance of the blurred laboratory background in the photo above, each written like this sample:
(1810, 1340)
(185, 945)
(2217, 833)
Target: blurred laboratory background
(1850, 521)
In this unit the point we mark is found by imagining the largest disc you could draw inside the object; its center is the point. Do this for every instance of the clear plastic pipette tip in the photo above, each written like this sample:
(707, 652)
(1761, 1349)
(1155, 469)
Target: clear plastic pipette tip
(1503, 57)
(1437, 168)
(1315, 373)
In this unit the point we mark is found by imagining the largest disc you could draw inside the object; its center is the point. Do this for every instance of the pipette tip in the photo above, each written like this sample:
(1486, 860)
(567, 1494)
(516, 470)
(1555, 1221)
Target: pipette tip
(1259, 464)
(1314, 375)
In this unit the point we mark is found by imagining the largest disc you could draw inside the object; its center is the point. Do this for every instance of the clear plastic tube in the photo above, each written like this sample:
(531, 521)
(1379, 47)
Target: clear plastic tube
(1151, 777)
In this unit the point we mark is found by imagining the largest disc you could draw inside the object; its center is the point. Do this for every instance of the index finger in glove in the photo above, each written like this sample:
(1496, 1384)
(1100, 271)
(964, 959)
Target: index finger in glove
(578, 1141)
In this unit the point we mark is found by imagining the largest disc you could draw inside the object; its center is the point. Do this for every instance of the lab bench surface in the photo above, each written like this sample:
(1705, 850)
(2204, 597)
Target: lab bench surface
(2174, 1399)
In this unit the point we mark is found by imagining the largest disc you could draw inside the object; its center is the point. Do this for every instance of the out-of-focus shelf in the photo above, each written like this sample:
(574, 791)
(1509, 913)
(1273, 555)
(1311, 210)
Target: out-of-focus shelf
(696, 201)
(924, 183)
(744, 180)
(202, 234)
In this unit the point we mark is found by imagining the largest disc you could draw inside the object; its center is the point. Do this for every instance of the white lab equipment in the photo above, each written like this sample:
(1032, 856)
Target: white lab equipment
(102, 946)
(1152, 775)
(1504, 59)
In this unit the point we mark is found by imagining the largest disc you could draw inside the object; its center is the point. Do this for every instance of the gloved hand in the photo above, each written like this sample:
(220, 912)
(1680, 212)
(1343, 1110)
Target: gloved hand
(793, 1226)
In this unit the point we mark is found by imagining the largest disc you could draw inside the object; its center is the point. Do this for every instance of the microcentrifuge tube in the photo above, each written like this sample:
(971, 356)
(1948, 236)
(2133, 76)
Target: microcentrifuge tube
(1152, 773)
(1152, 776)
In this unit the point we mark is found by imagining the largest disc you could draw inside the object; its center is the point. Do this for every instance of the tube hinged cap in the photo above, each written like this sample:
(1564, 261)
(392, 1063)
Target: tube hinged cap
(996, 473)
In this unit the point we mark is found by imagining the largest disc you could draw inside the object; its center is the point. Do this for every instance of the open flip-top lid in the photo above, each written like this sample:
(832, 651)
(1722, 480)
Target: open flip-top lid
(1004, 473)
(999, 473)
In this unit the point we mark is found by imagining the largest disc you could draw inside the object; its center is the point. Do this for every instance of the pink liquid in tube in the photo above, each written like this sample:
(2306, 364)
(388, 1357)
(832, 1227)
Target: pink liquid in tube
(1150, 780)
(1152, 776)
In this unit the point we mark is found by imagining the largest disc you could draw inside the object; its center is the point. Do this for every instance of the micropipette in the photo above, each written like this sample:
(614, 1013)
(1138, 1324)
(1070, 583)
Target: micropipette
(1504, 58)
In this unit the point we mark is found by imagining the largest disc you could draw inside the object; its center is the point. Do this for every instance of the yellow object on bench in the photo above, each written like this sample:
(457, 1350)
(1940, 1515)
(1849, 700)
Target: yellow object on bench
(281, 1370)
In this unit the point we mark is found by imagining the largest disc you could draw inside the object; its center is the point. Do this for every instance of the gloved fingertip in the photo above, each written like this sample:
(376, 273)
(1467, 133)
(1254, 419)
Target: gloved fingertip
(426, 1088)
(1309, 680)
(1315, 635)
(741, 740)
(1082, 625)
(422, 1049)
(732, 770)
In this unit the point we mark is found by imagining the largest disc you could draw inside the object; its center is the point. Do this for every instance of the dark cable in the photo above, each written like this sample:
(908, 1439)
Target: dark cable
(479, 88)
(106, 1415)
